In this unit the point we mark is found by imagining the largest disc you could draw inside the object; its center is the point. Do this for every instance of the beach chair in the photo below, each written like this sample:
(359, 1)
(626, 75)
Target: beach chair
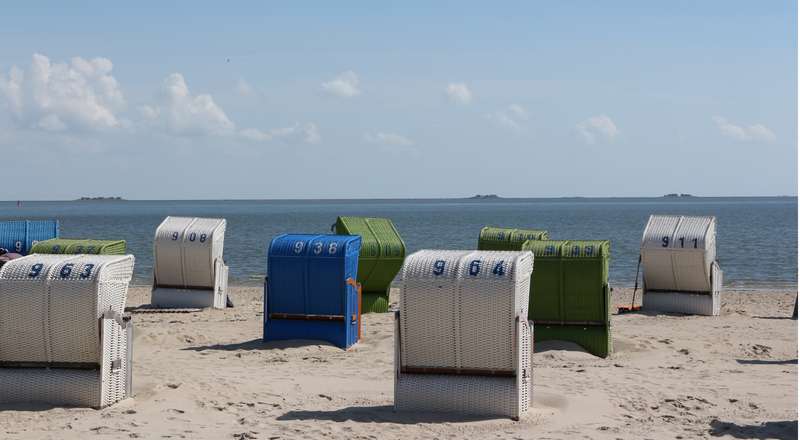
(188, 269)
(382, 253)
(64, 338)
(570, 297)
(462, 339)
(311, 291)
(5, 257)
(507, 239)
(19, 236)
(680, 270)
(73, 246)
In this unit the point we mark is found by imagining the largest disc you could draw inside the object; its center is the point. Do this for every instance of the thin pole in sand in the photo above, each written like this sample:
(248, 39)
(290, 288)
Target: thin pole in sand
(636, 282)
(633, 307)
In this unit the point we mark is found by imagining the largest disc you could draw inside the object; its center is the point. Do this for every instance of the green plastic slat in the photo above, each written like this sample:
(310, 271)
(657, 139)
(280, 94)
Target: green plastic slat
(507, 239)
(546, 297)
(374, 302)
(569, 288)
(79, 246)
(381, 257)
(585, 266)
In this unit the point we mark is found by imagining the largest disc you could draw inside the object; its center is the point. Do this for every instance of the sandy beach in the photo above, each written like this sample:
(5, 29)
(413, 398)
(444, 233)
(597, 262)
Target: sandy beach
(207, 375)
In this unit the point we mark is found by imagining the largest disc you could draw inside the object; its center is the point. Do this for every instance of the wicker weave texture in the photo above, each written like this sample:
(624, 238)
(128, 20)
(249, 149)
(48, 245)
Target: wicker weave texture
(311, 276)
(490, 396)
(170, 298)
(523, 353)
(374, 302)
(50, 305)
(75, 387)
(186, 250)
(58, 310)
(428, 307)
(707, 304)
(382, 251)
(683, 303)
(50, 386)
(677, 253)
(467, 300)
(178, 298)
(19, 236)
(117, 346)
(23, 307)
(488, 303)
(507, 239)
(464, 310)
(73, 246)
(471, 395)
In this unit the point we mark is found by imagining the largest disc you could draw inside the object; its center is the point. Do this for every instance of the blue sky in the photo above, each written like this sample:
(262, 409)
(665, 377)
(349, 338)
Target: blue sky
(323, 100)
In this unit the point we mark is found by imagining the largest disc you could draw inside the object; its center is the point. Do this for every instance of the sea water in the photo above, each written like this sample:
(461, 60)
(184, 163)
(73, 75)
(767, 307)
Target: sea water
(756, 237)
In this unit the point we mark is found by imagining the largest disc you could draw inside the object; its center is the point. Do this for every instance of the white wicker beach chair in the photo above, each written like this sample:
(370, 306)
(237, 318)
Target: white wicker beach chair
(462, 339)
(188, 268)
(679, 265)
(63, 337)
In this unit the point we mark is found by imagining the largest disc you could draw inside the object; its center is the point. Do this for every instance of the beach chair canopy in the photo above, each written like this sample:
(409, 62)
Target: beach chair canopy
(75, 246)
(20, 235)
(311, 290)
(678, 252)
(382, 254)
(464, 340)
(186, 251)
(679, 268)
(63, 337)
(569, 295)
(570, 280)
(507, 239)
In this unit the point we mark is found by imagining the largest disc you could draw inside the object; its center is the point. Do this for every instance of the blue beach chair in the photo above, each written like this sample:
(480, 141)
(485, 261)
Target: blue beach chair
(311, 290)
(19, 236)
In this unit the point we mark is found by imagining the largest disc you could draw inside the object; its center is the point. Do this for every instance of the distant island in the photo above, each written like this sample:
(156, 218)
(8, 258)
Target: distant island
(485, 196)
(101, 199)
(674, 195)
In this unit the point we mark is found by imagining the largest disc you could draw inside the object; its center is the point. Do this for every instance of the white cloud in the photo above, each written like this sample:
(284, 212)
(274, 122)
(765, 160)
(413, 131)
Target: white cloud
(756, 132)
(244, 88)
(393, 143)
(311, 134)
(518, 112)
(596, 128)
(345, 85)
(307, 133)
(81, 94)
(182, 113)
(511, 117)
(387, 139)
(51, 123)
(458, 93)
(179, 112)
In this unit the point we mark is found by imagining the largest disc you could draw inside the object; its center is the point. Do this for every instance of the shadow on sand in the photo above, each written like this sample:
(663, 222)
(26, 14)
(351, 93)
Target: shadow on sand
(780, 430)
(765, 362)
(259, 344)
(558, 345)
(35, 407)
(644, 312)
(774, 317)
(379, 414)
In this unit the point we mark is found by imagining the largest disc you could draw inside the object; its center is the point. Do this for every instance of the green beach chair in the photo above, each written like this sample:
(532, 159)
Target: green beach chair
(74, 246)
(507, 239)
(570, 298)
(381, 257)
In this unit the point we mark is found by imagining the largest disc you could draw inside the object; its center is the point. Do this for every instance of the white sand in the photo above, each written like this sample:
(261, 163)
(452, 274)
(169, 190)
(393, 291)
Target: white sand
(207, 376)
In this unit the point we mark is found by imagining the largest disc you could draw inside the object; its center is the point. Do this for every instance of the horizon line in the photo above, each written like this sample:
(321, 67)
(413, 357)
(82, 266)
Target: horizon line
(483, 198)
